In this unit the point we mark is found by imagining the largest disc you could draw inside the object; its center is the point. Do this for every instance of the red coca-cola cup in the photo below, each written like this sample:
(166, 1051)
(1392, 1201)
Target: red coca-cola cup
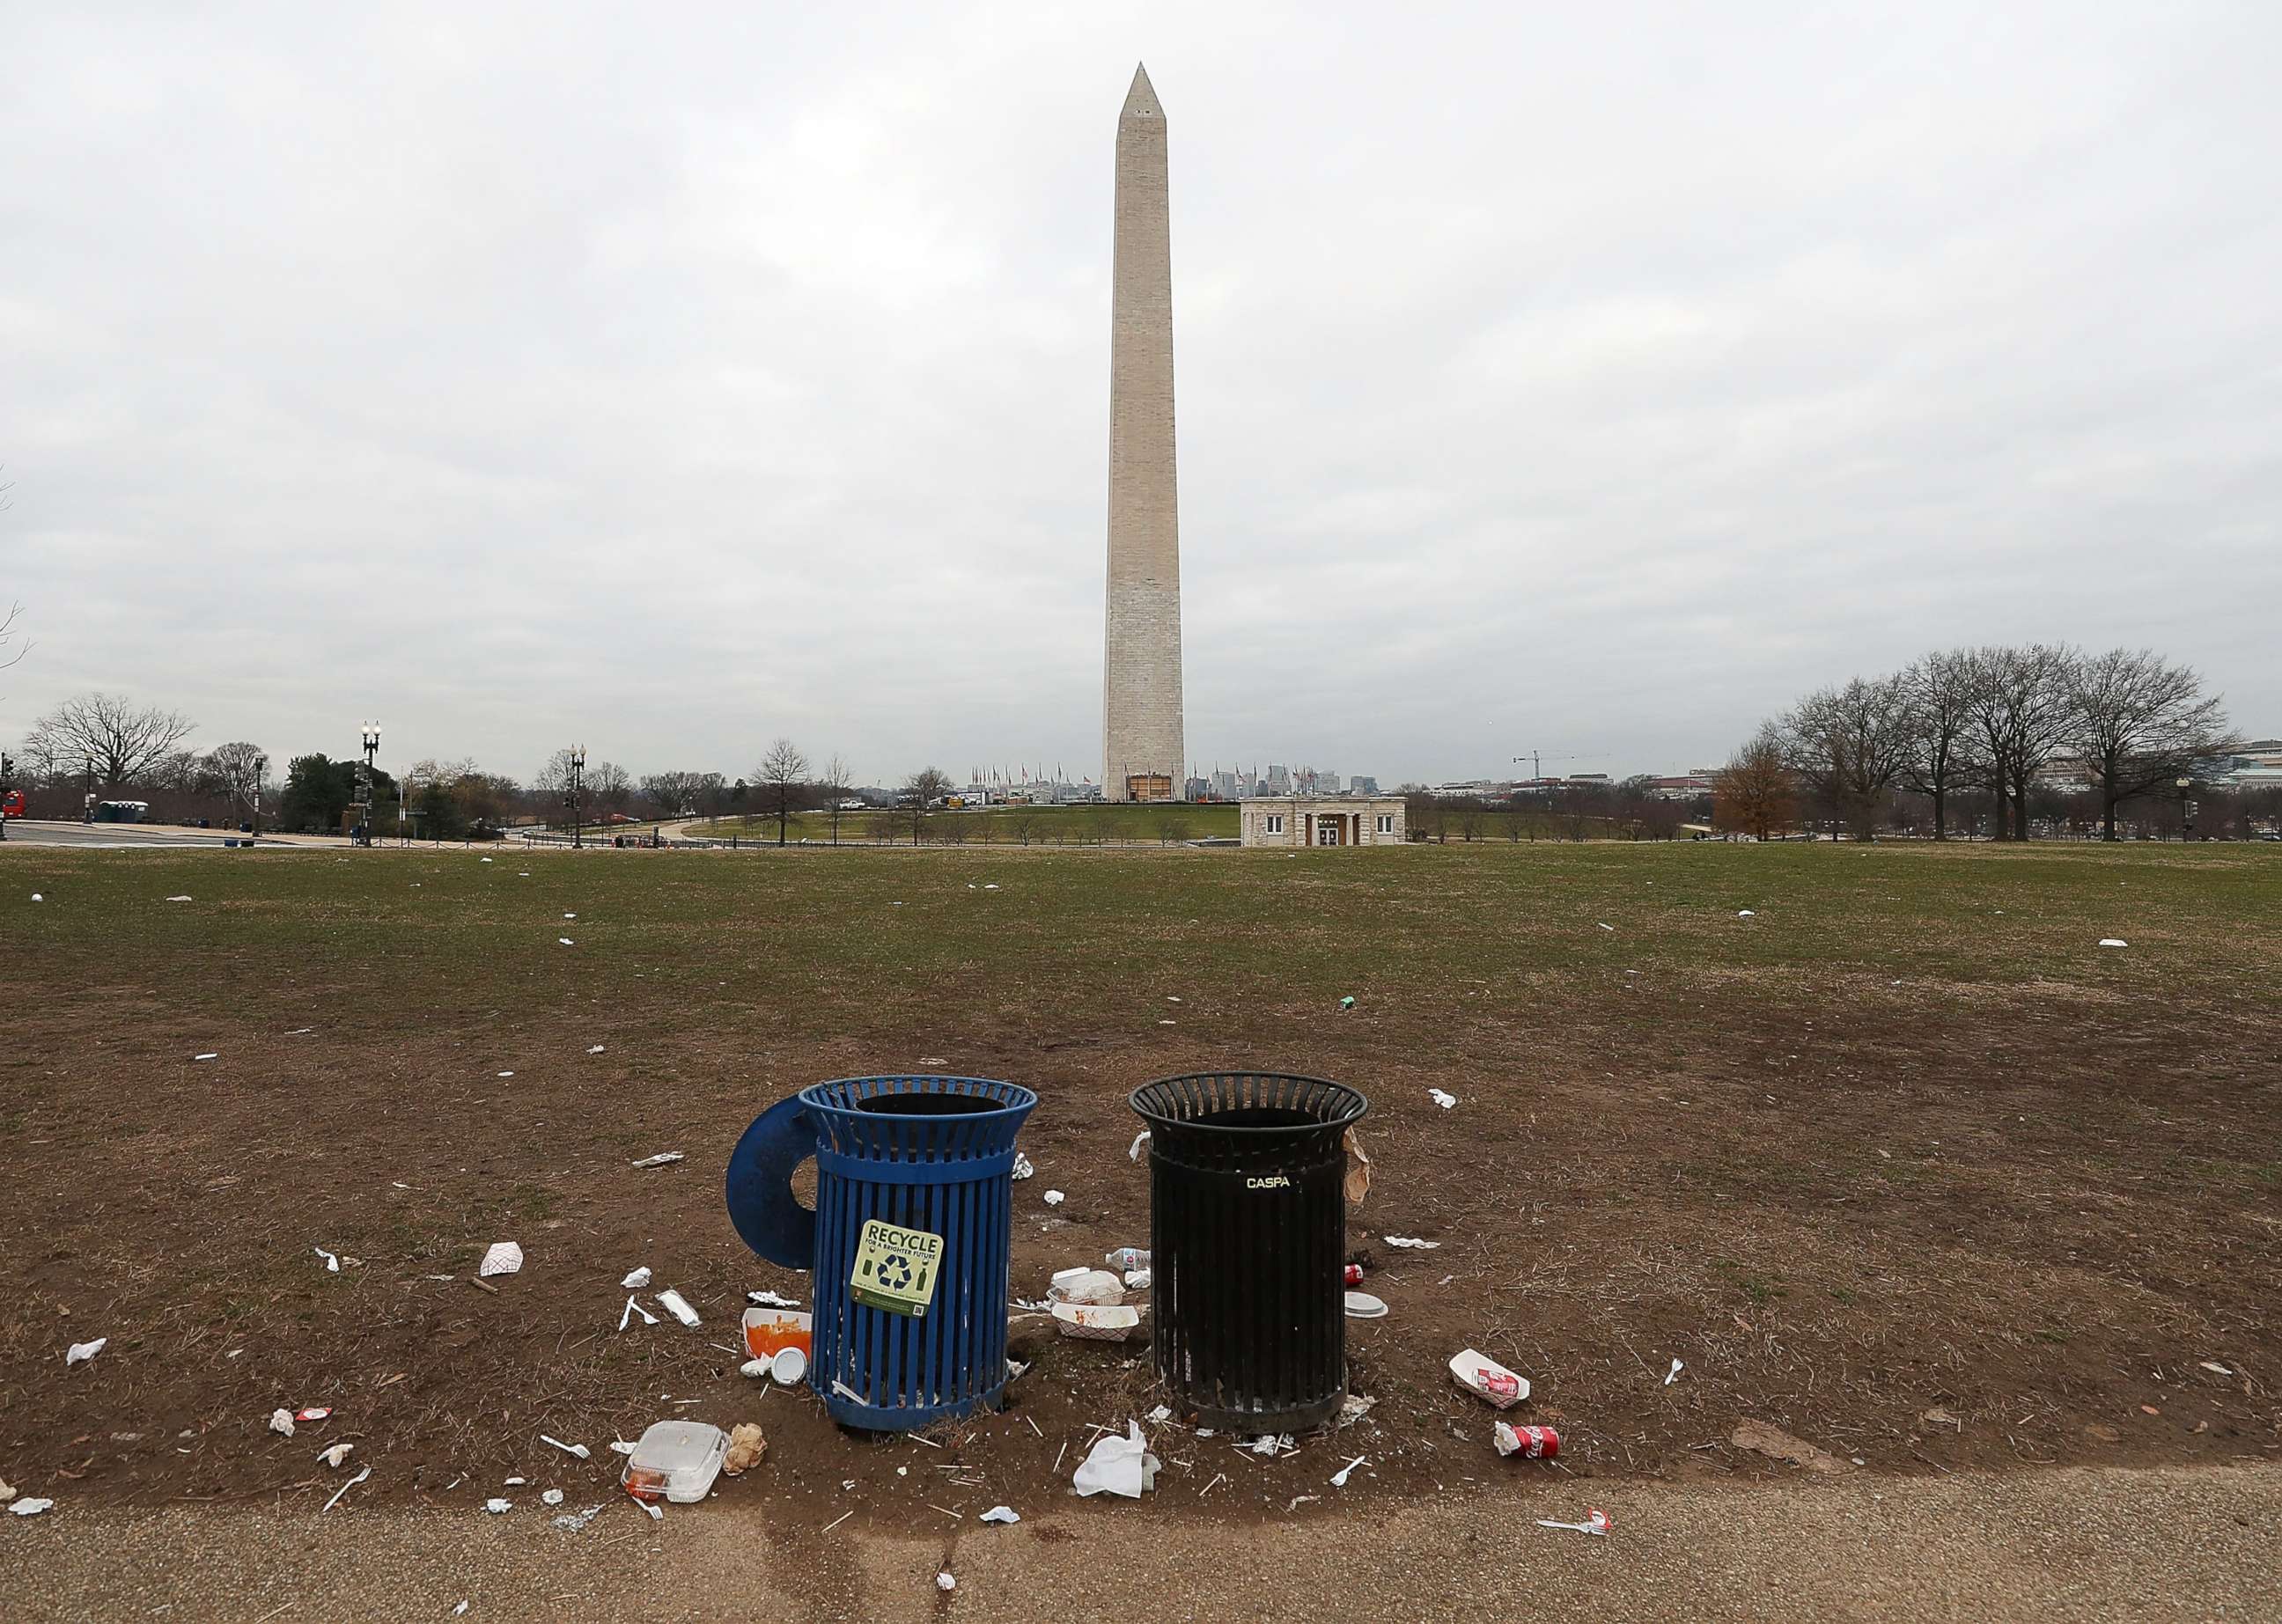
(1352, 1274)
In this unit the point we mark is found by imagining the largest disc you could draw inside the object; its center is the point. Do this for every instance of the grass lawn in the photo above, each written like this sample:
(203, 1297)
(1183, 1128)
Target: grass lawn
(1089, 825)
(1903, 1161)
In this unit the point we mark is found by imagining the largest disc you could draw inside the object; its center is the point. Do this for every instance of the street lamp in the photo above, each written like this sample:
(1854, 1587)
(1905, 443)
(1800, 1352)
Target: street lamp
(371, 734)
(2185, 783)
(577, 771)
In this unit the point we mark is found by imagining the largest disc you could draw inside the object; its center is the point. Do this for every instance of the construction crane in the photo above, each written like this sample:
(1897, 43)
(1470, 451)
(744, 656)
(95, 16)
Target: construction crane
(1537, 760)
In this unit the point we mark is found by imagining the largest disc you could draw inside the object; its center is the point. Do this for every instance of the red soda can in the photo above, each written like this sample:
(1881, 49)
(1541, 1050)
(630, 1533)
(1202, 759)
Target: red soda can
(1529, 1442)
(1352, 1274)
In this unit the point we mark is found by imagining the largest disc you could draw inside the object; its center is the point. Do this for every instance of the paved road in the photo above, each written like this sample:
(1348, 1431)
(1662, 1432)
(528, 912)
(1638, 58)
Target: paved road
(2031, 1547)
(108, 837)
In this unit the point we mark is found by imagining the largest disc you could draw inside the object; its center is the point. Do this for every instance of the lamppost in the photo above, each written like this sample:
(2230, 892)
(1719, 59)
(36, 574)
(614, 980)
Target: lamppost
(578, 772)
(2185, 783)
(364, 779)
(261, 776)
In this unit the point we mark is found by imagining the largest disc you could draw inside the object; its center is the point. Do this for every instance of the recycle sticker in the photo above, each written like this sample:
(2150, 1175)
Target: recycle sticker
(896, 1268)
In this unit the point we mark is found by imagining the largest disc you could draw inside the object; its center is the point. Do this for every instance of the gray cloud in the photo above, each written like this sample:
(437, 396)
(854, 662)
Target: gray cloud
(669, 383)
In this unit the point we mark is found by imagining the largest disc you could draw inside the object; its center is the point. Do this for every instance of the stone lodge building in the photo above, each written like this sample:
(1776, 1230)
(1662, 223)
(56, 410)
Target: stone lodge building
(1322, 820)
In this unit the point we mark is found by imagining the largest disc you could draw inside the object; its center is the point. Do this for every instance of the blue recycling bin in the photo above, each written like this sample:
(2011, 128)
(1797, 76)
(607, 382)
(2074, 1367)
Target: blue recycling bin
(908, 1241)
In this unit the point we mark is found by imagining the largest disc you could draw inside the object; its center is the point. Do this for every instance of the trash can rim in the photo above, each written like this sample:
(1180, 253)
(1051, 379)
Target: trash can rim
(1344, 1118)
(843, 1094)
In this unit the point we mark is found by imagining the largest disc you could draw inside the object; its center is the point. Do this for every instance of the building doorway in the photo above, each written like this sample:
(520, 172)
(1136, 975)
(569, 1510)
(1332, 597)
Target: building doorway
(1327, 829)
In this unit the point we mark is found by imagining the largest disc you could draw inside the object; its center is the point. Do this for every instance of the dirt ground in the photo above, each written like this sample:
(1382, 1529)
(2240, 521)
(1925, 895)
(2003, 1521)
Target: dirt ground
(1901, 1163)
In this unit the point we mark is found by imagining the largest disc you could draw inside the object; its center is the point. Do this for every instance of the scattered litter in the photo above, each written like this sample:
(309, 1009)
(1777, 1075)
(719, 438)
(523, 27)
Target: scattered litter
(506, 1074)
(344, 1487)
(1001, 1513)
(1168, 1022)
(1597, 1523)
(944, 1582)
(281, 1421)
(212, 1056)
(314, 1413)
(930, 1060)
(755, 1368)
(1139, 1279)
(1672, 1374)
(7, 1492)
(1339, 1477)
(1133, 1151)
(1054, 1198)
(595, 1049)
(661, 1159)
(566, 941)
(621, 1446)
(1269, 1445)
(1161, 1415)
(31, 1505)
(1118, 1466)
(674, 1303)
(1446, 1101)
(1608, 927)
(516, 1483)
(572, 1522)
(635, 1281)
(1347, 1002)
(178, 899)
(1485, 1378)
(1023, 1167)
(1410, 1243)
(631, 1308)
(37, 897)
(1939, 1416)
(1127, 1257)
(504, 1258)
(1529, 1442)
(1356, 1184)
(1296, 1501)
(1354, 1408)
(678, 1459)
(579, 1449)
(1745, 913)
(1362, 1305)
(788, 1366)
(1096, 1324)
(79, 1353)
(1093, 1286)
(498, 1507)
(332, 1264)
(2113, 941)
(569, 915)
(1779, 1445)
(747, 1448)
(2216, 1368)
(656, 1511)
(334, 1455)
(769, 1299)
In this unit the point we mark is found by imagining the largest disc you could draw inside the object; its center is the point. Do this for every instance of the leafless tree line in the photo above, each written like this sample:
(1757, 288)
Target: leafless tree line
(1998, 720)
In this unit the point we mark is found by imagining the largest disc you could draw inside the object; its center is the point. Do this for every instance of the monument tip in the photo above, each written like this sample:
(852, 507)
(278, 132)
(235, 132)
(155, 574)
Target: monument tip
(1141, 100)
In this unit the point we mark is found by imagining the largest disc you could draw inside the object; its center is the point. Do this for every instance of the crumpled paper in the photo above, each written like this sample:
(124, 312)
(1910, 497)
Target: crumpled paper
(1118, 1466)
(504, 1258)
(747, 1448)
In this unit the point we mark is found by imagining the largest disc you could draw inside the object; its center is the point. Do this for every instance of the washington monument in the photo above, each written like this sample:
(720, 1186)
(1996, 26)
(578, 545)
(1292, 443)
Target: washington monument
(1143, 754)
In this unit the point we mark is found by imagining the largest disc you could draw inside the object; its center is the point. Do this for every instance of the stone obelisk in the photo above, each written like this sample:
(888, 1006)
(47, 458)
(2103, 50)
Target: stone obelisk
(1141, 746)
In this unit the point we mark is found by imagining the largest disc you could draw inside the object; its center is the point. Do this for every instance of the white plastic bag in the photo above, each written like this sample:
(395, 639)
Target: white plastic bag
(1119, 1466)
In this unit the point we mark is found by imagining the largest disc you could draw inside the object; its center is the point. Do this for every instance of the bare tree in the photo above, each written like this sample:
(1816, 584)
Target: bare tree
(673, 795)
(2022, 710)
(120, 741)
(1849, 745)
(613, 785)
(1937, 692)
(922, 788)
(1755, 792)
(782, 775)
(1172, 828)
(239, 769)
(834, 790)
(2139, 722)
(1022, 822)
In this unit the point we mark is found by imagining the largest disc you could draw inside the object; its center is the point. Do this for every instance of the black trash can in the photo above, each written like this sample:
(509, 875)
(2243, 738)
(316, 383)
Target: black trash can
(1248, 1238)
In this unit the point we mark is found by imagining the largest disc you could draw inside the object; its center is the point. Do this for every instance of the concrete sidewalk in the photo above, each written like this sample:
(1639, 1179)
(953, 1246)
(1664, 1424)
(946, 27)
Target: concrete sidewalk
(2071, 1544)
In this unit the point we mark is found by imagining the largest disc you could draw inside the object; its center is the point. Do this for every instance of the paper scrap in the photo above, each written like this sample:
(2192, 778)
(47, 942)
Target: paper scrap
(30, 1505)
(1118, 1466)
(1002, 1514)
(678, 1305)
(1446, 1101)
(1412, 1243)
(661, 1159)
(770, 1299)
(635, 1281)
(332, 1263)
(504, 1258)
(281, 1421)
(79, 1353)
(1054, 1198)
(497, 1506)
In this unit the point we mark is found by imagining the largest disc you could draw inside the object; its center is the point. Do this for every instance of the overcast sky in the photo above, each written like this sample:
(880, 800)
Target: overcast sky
(670, 378)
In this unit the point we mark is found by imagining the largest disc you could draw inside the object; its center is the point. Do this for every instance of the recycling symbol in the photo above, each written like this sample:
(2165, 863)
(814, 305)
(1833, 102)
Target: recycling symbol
(896, 1273)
